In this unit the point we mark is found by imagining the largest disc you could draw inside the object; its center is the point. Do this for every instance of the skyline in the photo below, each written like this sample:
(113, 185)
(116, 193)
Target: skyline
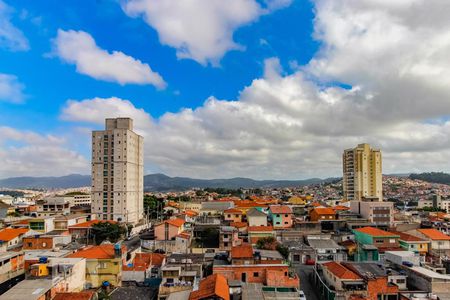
(261, 89)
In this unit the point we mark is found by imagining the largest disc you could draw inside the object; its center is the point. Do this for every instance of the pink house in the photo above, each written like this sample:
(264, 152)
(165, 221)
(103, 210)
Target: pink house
(169, 229)
(281, 216)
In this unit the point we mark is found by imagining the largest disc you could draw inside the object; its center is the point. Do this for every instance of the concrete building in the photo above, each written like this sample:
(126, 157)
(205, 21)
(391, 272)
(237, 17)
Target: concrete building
(362, 173)
(118, 172)
(374, 211)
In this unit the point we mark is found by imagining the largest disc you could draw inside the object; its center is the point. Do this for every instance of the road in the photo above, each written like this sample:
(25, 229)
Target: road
(132, 244)
(305, 272)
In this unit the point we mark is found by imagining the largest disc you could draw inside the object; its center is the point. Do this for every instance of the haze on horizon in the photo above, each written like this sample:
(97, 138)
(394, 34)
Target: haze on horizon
(272, 89)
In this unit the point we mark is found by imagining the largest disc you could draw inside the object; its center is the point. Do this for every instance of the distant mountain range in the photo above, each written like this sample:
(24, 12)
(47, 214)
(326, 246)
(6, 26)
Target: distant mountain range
(433, 177)
(156, 182)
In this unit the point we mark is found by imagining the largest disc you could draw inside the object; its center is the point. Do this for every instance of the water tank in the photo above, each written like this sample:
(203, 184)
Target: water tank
(43, 260)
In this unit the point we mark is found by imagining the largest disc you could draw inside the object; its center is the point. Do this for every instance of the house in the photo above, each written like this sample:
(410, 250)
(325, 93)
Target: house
(281, 216)
(215, 207)
(46, 241)
(232, 215)
(212, 287)
(440, 242)
(339, 277)
(84, 295)
(82, 230)
(322, 214)
(256, 217)
(412, 243)
(325, 249)
(246, 205)
(103, 263)
(228, 238)
(64, 222)
(11, 266)
(190, 216)
(169, 229)
(143, 266)
(42, 224)
(373, 242)
(257, 232)
(47, 279)
(11, 238)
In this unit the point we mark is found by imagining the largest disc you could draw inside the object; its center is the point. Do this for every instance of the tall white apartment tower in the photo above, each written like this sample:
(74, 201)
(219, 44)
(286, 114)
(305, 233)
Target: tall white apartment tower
(118, 172)
(362, 173)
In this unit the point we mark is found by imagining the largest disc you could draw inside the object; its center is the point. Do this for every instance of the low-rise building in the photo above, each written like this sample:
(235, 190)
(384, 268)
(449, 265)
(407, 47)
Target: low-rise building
(322, 214)
(212, 287)
(11, 238)
(169, 229)
(281, 216)
(372, 242)
(440, 242)
(256, 217)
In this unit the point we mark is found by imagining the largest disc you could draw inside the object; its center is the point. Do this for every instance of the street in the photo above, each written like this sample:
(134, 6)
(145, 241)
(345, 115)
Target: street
(305, 272)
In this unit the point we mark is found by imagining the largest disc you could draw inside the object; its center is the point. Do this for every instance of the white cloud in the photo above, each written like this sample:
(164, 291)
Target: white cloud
(11, 37)
(79, 48)
(11, 90)
(32, 154)
(197, 29)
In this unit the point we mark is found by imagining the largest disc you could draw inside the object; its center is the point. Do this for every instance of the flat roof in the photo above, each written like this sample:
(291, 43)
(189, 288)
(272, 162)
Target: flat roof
(28, 289)
(430, 273)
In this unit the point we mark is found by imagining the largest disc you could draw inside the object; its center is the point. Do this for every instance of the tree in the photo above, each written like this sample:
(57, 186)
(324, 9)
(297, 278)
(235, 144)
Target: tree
(270, 243)
(153, 205)
(105, 231)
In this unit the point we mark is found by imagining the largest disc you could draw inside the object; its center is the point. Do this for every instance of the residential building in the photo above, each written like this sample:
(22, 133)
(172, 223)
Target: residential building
(412, 243)
(228, 238)
(42, 224)
(169, 229)
(118, 172)
(215, 207)
(11, 238)
(11, 266)
(362, 175)
(83, 230)
(63, 222)
(322, 214)
(256, 217)
(144, 266)
(103, 263)
(281, 216)
(257, 232)
(376, 212)
(46, 241)
(440, 242)
(373, 242)
(325, 249)
(232, 215)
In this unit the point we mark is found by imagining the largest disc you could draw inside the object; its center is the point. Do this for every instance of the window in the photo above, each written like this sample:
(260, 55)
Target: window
(379, 241)
(30, 244)
(255, 274)
(102, 265)
(44, 244)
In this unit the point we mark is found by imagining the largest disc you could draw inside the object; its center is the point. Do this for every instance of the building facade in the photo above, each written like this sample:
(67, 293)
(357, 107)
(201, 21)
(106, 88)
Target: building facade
(362, 173)
(118, 172)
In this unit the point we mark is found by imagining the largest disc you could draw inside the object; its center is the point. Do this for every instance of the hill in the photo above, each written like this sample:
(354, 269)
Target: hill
(155, 182)
(433, 177)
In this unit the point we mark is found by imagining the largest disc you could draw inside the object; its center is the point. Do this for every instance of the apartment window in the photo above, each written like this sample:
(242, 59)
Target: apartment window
(379, 241)
(44, 244)
(285, 215)
(229, 216)
(225, 244)
(255, 274)
(102, 265)
(278, 223)
(30, 244)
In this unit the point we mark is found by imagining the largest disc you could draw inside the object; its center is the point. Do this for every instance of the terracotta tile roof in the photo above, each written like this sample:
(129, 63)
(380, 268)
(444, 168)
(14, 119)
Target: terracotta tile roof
(408, 237)
(233, 211)
(85, 295)
(142, 261)
(316, 204)
(324, 211)
(239, 224)
(8, 234)
(175, 222)
(434, 234)
(249, 204)
(375, 231)
(340, 271)
(89, 224)
(260, 228)
(215, 285)
(191, 213)
(280, 209)
(96, 252)
(341, 207)
(243, 251)
(184, 235)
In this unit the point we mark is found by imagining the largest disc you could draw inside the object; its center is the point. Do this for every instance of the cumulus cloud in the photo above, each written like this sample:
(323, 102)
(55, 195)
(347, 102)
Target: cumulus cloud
(11, 37)
(79, 48)
(197, 29)
(33, 154)
(11, 90)
(296, 125)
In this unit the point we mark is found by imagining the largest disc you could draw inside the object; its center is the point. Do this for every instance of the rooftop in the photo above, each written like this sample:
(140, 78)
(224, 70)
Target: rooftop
(243, 251)
(85, 295)
(324, 211)
(375, 232)
(97, 252)
(8, 234)
(253, 212)
(340, 271)
(89, 224)
(280, 209)
(212, 286)
(434, 234)
(260, 228)
(408, 237)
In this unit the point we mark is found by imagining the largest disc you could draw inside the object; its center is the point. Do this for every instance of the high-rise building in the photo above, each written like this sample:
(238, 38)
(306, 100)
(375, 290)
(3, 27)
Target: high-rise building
(118, 172)
(362, 173)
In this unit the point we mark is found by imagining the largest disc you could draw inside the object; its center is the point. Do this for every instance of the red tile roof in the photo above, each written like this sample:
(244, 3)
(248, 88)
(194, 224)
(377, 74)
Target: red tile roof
(239, 224)
(243, 251)
(8, 234)
(375, 231)
(324, 211)
(408, 237)
(260, 228)
(280, 209)
(97, 252)
(191, 213)
(215, 285)
(173, 222)
(341, 207)
(434, 234)
(89, 224)
(85, 295)
(340, 271)
(142, 261)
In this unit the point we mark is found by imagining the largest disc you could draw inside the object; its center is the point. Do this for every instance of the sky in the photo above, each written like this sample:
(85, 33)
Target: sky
(267, 89)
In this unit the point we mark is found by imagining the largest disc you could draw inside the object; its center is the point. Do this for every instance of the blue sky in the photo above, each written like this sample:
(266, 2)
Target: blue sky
(257, 88)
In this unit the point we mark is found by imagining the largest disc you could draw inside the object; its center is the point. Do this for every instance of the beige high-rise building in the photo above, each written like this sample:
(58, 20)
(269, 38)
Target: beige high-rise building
(362, 173)
(118, 172)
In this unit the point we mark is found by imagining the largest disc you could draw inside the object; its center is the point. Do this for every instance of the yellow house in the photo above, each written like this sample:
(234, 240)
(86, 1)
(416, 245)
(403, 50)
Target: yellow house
(297, 200)
(103, 264)
(413, 243)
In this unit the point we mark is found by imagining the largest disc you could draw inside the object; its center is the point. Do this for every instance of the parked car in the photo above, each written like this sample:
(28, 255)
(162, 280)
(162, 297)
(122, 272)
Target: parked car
(302, 295)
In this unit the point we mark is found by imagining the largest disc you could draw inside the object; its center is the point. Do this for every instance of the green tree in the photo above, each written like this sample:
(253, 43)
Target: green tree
(270, 243)
(105, 231)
